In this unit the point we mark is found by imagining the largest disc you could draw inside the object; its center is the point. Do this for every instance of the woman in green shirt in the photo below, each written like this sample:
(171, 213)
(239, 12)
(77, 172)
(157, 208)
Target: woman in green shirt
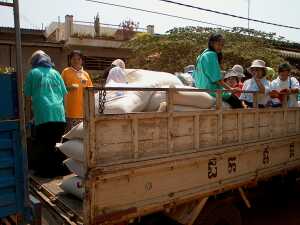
(47, 90)
(207, 74)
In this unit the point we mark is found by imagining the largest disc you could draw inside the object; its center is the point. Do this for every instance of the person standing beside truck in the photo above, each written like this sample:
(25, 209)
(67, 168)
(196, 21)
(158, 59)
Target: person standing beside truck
(207, 74)
(47, 90)
(284, 84)
(76, 79)
(258, 83)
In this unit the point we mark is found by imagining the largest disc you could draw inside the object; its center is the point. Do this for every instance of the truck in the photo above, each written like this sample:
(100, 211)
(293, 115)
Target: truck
(192, 166)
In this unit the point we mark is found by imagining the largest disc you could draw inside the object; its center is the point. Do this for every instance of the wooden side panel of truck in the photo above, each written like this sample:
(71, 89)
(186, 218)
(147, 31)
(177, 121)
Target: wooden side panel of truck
(145, 162)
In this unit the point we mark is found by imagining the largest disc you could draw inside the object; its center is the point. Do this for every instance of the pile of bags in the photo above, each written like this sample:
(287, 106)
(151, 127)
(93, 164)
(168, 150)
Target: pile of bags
(118, 102)
(73, 148)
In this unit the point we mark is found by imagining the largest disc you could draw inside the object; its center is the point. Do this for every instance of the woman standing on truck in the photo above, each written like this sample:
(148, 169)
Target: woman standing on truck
(115, 73)
(47, 90)
(207, 74)
(257, 83)
(284, 84)
(76, 79)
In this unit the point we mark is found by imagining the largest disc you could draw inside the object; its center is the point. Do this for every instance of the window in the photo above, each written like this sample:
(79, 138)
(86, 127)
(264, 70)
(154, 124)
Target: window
(97, 63)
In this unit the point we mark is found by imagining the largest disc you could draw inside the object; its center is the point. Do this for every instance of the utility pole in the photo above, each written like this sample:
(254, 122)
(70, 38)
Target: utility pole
(248, 14)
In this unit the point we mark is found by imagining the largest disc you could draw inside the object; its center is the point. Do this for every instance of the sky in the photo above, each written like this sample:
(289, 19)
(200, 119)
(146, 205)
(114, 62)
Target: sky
(38, 13)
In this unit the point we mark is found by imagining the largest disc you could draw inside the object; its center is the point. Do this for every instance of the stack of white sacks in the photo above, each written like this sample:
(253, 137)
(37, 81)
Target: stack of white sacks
(118, 102)
(147, 101)
(74, 150)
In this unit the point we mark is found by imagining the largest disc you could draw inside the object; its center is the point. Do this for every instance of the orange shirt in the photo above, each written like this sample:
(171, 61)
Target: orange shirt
(75, 81)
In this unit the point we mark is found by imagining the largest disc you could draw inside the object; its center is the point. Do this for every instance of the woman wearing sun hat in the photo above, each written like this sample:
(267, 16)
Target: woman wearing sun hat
(239, 70)
(257, 83)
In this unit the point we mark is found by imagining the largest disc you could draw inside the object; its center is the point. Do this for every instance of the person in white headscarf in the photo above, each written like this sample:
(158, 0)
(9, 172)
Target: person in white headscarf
(116, 73)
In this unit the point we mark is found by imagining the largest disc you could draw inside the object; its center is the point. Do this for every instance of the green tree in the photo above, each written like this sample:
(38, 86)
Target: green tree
(181, 46)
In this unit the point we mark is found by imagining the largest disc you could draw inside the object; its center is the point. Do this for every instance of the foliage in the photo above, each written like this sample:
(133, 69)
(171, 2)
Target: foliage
(6, 70)
(181, 46)
(127, 30)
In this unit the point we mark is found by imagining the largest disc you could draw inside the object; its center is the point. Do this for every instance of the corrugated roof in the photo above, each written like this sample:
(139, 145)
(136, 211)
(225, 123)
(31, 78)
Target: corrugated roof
(289, 54)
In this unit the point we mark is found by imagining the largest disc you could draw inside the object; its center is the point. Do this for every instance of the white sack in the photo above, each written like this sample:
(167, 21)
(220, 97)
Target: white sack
(77, 132)
(75, 166)
(119, 102)
(73, 149)
(178, 108)
(195, 99)
(155, 100)
(73, 185)
(149, 77)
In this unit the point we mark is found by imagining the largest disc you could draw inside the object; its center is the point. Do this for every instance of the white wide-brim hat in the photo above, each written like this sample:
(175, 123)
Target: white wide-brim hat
(258, 64)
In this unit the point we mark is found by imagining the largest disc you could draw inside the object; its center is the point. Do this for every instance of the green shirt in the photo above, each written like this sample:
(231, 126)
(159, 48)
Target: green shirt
(208, 72)
(47, 90)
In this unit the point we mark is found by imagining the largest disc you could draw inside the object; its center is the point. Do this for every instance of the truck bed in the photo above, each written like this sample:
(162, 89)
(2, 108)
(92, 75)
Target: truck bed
(65, 206)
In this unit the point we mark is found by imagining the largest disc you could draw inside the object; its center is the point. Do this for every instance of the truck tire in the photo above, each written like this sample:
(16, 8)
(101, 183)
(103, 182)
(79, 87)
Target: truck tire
(216, 214)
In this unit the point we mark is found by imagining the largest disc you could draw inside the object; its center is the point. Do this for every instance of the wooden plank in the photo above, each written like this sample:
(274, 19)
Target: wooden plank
(170, 108)
(240, 127)
(89, 150)
(196, 132)
(211, 151)
(298, 121)
(135, 138)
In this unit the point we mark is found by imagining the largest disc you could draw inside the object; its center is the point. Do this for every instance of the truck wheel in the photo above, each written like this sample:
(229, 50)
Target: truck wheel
(216, 214)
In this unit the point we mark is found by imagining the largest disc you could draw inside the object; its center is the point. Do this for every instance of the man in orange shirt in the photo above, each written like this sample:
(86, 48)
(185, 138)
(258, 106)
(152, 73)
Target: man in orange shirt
(76, 79)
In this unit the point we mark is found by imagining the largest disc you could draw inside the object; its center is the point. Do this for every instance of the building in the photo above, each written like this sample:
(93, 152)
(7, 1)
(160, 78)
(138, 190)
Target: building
(59, 39)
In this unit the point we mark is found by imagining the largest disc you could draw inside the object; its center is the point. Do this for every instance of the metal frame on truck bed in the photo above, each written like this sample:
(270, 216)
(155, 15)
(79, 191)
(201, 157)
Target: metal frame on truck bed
(141, 163)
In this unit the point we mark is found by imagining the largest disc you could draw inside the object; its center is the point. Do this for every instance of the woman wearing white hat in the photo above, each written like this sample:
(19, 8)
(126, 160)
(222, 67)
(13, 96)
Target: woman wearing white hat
(257, 83)
(241, 76)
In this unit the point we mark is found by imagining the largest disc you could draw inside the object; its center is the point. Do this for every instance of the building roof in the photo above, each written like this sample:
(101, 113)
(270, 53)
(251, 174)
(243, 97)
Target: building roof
(23, 30)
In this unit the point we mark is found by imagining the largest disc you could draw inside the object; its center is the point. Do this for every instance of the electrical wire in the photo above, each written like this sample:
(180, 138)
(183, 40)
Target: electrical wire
(231, 15)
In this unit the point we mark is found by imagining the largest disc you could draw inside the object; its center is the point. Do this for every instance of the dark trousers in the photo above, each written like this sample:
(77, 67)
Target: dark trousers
(234, 102)
(250, 105)
(44, 158)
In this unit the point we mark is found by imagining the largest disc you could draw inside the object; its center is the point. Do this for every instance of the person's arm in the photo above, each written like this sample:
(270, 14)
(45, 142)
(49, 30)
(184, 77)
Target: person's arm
(224, 84)
(62, 85)
(89, 82)
(28, 85)
(260, 85)
(294, 85)
(212, 68)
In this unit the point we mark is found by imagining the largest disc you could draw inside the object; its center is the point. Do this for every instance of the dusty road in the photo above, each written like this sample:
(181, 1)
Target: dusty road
(279, 208)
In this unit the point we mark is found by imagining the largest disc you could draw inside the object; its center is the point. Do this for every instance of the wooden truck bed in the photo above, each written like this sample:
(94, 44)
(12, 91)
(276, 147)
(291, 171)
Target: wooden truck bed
(66, 206)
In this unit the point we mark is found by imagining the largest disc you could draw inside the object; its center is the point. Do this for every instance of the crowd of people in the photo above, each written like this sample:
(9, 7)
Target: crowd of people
(57, 99)
(271, 89)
